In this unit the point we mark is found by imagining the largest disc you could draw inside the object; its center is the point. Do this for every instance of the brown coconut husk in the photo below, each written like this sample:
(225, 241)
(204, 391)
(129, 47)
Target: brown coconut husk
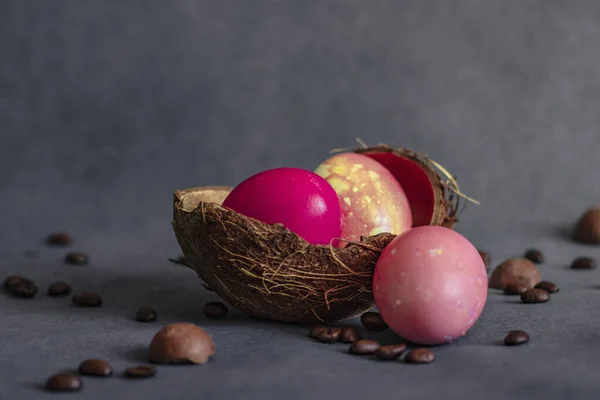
(447, 200)
(268, 271)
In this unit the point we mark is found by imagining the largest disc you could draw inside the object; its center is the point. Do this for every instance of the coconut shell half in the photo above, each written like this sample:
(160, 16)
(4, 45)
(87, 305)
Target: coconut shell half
(432, 193)
(268, 271)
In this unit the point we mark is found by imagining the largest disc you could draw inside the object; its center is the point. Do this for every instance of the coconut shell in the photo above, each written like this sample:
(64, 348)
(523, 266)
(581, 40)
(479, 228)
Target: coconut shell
(270, 272)
(445, 191)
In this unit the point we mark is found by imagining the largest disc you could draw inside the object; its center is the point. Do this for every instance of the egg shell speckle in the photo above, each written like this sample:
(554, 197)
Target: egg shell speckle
(371, 199)
(430, 285)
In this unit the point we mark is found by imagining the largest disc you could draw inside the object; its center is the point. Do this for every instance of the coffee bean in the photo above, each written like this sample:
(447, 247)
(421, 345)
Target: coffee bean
(315, 331)
(13, 281)
(59, 289)
(486, 259)
(329, 335)
(583, 263)
(420, 356)
(146, 314)
(515, 287)
(141, 371)
(587, 229)
(364, 347)
(547, 286)
(59, 239)
(215, 310)
(25, 289)
(87, 299)
(64, 383)
(349, 335)
(535, 296)
(534, 256)
(517, 337)
(95, 368)
(76, 258)
(390, 352)
(373, 321)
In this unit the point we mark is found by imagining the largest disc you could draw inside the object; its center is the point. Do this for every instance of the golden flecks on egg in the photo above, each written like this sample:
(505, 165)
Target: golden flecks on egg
(355, 189)
(347, 201)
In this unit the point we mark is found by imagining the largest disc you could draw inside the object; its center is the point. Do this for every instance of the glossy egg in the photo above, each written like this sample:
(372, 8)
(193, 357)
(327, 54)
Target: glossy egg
(430, 285)
(299, 199)
(371, 199)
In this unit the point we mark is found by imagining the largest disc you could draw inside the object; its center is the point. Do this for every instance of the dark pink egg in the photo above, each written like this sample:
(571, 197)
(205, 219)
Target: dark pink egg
(430, 285)
(299, 199)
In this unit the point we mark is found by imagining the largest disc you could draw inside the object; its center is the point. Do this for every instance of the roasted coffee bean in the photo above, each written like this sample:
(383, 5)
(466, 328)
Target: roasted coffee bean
(316, 331)
(141, 371)
(25, 289)
(87, 299)
(329, 335)
(420, 356)
(583, 263)
(514, 338)
(486, 259)
(13, 281)
(76, 258)
(59, 239)
(364, 347)
(373, 321)
(95, 368)
(535, 296)
(534, 256)
(59, 289)
(349, 335)
(146, 314)
(547, 286)
(515, 287)
(390, 352)
(215, 310)
(64, 383)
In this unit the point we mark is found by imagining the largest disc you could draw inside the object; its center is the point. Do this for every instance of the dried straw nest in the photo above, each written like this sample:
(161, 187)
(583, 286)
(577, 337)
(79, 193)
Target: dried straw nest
(271, 273)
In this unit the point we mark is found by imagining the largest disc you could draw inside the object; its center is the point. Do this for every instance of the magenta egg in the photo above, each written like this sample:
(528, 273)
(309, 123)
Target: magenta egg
(299, 199)
(430, 285)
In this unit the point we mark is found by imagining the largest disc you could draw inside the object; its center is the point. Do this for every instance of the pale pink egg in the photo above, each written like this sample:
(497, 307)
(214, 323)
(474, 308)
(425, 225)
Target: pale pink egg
(297, 198)
(430, 285)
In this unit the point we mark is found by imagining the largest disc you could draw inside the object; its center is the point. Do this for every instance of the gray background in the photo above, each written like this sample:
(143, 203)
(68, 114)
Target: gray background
(108, 106)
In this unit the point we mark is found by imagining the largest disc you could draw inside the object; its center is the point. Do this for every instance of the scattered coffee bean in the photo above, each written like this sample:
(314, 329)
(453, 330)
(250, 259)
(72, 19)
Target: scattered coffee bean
(146, 314)
(59, 239)
(583, 263)
(59, 289)
(181, 343)
(535, 296)
(364, 347)
(64, 383)
(534, 256)
(515, 287)
(215, 310)
(141, 371)
(87, 299)
(349, 335)
(420, 356)
(485, 256)
(373, 321)
(25, 289)
(390, 352)
(13, 281)
(587, 229)
(515, 268)
(329, 335)
(516, 337)
(76, 258)
(315, 331)
(547, 286)
(95, 368)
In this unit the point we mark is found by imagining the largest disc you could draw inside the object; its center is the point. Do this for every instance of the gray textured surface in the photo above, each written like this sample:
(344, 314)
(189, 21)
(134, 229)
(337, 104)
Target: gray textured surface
(106, 107)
